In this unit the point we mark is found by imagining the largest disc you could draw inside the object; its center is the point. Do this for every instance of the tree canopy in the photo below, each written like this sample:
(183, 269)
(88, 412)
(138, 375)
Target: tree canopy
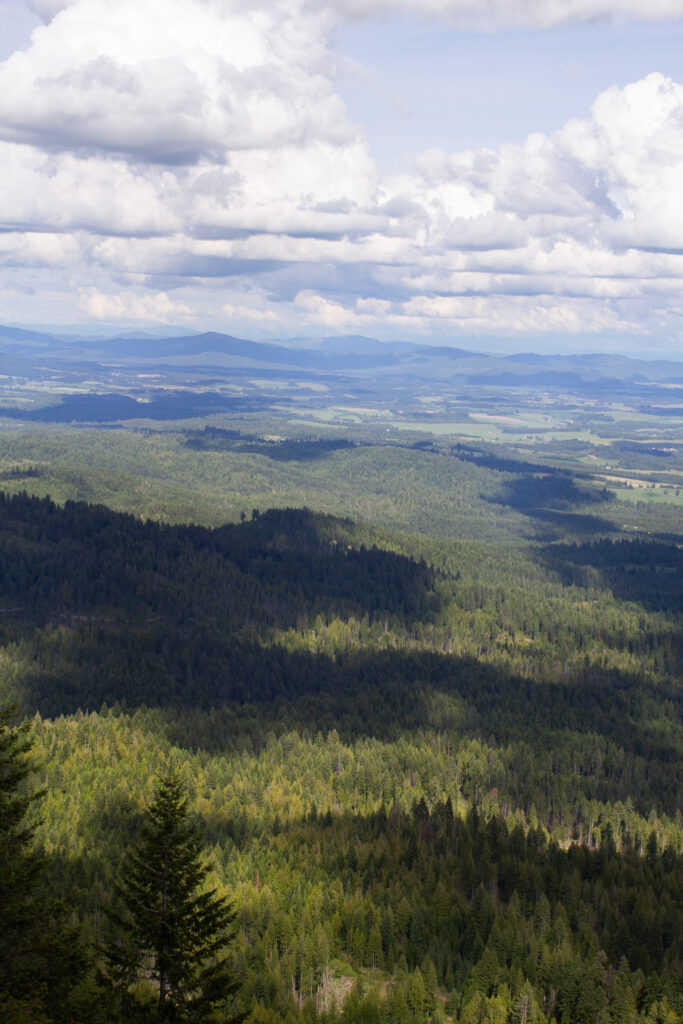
(40, 956)
(171, 931)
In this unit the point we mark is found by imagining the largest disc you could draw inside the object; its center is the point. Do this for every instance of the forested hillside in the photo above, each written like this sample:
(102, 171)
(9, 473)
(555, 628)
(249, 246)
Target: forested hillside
(440, 779)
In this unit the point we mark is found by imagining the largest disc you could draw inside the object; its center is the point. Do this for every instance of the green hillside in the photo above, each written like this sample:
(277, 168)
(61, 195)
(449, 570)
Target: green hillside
(440, 778)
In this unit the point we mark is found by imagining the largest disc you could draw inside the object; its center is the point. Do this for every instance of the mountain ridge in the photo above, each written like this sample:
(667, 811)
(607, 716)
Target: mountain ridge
(345, 353)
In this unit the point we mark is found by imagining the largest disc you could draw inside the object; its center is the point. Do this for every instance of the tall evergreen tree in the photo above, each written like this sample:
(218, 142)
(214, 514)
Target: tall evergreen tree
(171, 931)
(40, 956)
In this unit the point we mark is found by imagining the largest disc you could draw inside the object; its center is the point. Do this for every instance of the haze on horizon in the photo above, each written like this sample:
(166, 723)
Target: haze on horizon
(504, 176)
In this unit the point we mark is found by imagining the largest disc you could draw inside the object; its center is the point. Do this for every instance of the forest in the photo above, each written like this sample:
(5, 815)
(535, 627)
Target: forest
(421, 699)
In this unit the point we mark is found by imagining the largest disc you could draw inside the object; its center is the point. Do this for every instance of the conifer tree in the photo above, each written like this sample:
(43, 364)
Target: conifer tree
(171, 931)
(40, 956)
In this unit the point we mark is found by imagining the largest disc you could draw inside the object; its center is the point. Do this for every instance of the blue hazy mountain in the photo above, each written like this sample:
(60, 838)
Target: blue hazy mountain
(349, 355)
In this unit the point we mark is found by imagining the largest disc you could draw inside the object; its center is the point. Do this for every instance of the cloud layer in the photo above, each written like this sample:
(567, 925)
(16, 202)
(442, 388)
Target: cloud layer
(190, 160)
(471, 13)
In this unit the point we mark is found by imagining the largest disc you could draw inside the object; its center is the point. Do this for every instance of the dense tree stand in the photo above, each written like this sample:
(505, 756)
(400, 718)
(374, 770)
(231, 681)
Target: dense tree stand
(171, 933)
(41, 959)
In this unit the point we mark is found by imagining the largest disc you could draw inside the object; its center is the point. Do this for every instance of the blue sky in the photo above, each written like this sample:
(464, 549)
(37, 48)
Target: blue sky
(420, 84)
(502, 174)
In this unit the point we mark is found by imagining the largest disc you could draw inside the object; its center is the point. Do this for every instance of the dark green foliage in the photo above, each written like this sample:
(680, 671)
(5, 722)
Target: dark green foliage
(484, 899)
(634, 570)
(452, 768)
(20, 866)
(107, 408)
(555, 491)
(40, 957)
(216, 440)
(286, 562)
(171, 931)
(570, 694)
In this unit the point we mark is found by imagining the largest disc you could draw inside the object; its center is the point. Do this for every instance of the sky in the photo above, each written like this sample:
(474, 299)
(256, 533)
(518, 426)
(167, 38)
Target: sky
(497, 174)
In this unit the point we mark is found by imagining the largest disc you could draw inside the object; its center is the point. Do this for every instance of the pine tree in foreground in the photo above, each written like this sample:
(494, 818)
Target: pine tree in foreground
(41, 958)
(171, 933)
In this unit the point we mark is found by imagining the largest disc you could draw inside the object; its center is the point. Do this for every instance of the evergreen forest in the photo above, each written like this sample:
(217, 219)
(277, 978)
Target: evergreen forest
(414, 709)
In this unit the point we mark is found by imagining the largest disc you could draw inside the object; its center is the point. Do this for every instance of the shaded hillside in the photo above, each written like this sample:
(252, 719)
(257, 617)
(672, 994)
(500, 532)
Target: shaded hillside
(451, 771)
(305, 614)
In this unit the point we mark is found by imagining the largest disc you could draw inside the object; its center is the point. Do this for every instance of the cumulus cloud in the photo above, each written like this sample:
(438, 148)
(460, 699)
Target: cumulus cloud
(47, 9)
(47, 192)
(172, 81)
(129, 306)
(179, 158)
(575, 202)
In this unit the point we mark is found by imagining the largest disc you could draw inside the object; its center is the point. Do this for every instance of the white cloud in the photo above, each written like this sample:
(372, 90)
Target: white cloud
(489, 14)
(46, 192)
(129, 306)
(197, 149)
(173, 81)
(248, 313)
(492, 14)
(47, 9)
(607, 183)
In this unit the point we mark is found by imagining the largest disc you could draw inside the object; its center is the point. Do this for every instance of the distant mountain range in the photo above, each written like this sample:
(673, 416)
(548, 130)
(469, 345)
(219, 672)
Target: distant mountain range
(350, 356)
